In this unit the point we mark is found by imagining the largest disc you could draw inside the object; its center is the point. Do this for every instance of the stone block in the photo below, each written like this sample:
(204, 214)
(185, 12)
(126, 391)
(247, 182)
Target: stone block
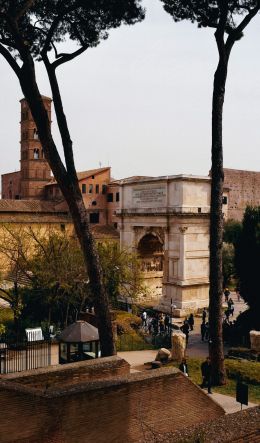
(178, 346)
(255, 340)
(163, 355)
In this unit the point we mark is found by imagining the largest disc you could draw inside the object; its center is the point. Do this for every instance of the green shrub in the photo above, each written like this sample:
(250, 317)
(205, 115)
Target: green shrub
(127, 323)
(247, 371)
(6, 316)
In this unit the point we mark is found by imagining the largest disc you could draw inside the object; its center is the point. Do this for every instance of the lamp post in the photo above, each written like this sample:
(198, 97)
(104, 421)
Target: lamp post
(173, 306)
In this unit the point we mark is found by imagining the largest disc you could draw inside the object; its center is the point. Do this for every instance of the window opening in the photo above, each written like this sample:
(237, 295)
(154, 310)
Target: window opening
(110, 197)
(94, 217)
(36, 154)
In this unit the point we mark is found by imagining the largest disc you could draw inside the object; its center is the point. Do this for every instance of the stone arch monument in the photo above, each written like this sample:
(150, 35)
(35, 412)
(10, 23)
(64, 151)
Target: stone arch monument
(166, 219)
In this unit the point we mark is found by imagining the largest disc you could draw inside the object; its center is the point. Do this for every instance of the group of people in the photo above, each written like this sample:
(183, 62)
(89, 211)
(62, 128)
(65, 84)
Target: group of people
(205, 372)
(230, 304)
(188, 325)
(158, 323)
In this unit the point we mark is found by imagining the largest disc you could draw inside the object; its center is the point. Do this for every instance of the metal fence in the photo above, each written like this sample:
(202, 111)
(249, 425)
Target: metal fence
(127, 342)
(21, 354)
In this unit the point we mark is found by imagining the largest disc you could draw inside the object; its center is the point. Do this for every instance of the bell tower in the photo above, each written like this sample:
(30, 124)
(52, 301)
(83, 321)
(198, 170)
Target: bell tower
(35, 170)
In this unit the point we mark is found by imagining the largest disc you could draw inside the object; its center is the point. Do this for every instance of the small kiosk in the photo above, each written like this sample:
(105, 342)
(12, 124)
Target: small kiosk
(79, 341)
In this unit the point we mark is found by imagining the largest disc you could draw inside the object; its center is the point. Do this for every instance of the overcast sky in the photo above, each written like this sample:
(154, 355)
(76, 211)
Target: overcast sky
(141, 101)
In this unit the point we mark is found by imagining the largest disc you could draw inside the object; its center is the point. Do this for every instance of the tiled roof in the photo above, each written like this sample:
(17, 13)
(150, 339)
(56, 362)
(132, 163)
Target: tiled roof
(83, 174)
(102, 231)
(26, 206)
(130, 179)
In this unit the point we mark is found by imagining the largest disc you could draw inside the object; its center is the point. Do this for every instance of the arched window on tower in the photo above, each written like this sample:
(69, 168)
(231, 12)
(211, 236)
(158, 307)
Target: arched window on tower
(36, 154)
(35, 134)
(43, 153)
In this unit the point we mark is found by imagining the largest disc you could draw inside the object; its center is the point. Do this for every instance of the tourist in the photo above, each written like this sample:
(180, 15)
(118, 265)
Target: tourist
(144, 318)
(203, 330)
(206, 374)
(231, 306)
(184, 367)
(226, 294)
(204, 314)
(185, 329)
(227, 314)
(207, 331)
(238, 293)
(161, 323)
(167, 323)
(191, 321)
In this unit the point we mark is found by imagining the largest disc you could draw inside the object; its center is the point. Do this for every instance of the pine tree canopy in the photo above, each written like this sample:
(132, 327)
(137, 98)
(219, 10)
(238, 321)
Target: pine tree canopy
(42, 24)
(208, 13)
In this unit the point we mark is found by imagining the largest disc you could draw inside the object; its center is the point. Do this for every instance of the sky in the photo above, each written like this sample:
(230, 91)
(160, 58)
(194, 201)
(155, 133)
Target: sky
(141, 101)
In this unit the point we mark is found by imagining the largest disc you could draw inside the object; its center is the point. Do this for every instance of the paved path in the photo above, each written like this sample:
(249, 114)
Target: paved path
(137, 359)
(196, 348)
(229, 404)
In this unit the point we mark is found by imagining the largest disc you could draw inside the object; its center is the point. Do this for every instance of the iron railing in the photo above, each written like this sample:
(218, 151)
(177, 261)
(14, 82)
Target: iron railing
(21, 354)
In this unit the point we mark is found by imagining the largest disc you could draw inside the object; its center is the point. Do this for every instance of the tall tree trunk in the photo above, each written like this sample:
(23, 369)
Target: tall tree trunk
(216, 227)
(71, 192)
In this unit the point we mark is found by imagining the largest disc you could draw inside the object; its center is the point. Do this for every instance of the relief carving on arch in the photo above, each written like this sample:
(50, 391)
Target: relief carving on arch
(141, 231)
(149, 243)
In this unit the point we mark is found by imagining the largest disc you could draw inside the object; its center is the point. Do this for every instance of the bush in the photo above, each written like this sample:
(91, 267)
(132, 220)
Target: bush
(6, 316)
(246, 371)
(127, 323)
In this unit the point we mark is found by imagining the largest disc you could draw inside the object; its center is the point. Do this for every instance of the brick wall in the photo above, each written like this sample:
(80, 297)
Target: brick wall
(117, 410)
(71, 374)
(11, 185)
(244, 189)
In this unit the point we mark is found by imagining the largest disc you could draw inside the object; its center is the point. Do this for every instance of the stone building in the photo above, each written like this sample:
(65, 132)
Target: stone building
(28, 183)
(166, 219)
(242, 189)
(35, 182)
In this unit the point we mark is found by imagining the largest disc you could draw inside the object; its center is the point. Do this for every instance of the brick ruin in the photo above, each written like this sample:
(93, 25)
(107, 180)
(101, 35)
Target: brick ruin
(99, 401)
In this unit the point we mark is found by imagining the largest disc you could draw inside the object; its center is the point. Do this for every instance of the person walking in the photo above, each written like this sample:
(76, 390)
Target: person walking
(204, 315)
(167, 323)
(206, 374)
(226, 294)
(184, 367)
(207, 331)
(238, 293)
(185, 329)
(191, 321)
(144, 318)
(203, 330)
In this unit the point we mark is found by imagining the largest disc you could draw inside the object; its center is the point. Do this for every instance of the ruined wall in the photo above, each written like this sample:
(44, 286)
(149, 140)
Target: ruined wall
(123, 409)
(244, 189)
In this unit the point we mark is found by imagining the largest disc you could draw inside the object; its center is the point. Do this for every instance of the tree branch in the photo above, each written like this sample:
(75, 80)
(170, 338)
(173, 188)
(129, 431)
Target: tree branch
(67, 57)
(238, 31)
(62, 121)
(4, 298)
(54, 26)
(220, 31)
(14, 65)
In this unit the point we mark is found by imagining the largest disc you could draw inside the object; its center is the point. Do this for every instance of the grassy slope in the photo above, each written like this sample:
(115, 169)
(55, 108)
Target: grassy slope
(249, 372)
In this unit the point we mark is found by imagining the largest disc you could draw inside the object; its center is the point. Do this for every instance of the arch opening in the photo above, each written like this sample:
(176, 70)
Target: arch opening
(150, 250)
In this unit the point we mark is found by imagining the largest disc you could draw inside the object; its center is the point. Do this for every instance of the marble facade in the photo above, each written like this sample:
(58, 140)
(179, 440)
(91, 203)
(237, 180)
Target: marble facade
(171, 214)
